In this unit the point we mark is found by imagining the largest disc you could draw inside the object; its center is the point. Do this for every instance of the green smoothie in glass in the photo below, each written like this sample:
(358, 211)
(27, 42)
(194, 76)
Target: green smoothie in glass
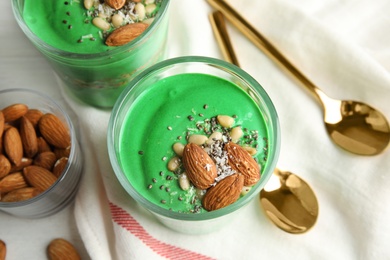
(73, 35)
(182, 118)
(166, 114)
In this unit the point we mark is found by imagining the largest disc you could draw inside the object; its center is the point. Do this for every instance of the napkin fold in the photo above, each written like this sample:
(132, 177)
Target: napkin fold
(352, 190)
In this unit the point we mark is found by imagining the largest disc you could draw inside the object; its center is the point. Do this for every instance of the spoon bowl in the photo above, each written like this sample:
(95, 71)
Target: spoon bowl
(289, 202)
(354, 126)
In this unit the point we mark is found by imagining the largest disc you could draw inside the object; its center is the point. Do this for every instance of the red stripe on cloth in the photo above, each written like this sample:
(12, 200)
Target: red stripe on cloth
(126, 221)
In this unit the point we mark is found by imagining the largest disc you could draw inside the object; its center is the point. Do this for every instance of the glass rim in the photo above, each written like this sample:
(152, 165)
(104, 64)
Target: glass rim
(71, 155)
(273, 127)
(115, 51)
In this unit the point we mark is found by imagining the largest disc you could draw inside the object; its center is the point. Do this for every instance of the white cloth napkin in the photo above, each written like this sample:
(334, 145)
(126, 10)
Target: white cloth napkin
(341, 46)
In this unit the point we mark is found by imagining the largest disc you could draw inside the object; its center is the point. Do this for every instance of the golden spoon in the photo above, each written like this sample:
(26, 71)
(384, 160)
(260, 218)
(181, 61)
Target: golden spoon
(287, 200)
(353, 125)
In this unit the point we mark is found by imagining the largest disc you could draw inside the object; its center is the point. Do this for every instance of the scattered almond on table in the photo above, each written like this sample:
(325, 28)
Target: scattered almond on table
(58, 249)
(61, 249)
(3, 250)
(34, 151)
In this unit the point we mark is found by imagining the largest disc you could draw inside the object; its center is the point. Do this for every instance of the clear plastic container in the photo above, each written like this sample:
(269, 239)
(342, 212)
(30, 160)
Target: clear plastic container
(192, 223)
(99, 78)
(64, 190)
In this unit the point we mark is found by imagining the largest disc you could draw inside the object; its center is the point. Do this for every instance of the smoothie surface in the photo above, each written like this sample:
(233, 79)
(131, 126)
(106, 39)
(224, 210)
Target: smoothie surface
(162, 116)
(67, 25)
(62, 24)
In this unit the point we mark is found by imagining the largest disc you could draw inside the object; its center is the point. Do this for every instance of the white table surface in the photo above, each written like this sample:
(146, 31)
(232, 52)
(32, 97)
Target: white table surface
(21, 65)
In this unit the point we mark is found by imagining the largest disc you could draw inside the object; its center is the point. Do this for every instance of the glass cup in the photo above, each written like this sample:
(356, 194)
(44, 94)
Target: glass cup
(192, 223)
(64, 190)
(99, 78)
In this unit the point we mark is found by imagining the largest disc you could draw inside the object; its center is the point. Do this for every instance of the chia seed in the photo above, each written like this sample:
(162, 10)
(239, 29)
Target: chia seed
(191, 118)
(140, 152)
(163, 201)
(150, 186)
(197, 208)
(205, 106)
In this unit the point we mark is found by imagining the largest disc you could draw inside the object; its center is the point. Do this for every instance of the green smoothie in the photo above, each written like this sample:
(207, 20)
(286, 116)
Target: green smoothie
(168, 112)
(65, 25)
(68, 25)
(74, 39)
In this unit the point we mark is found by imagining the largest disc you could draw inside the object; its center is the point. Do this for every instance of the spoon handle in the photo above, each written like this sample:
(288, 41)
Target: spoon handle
(262, 43)
(218, 24)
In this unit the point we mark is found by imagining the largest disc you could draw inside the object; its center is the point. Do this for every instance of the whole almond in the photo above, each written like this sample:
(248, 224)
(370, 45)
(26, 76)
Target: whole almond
(60, 249)
(54, 131)
(34, 115)
(116, 4)
(43, 146)
(60, 152)
(39, 177)
(59, 166)
(242, 162)
(5, 166)
(224, 193)
(2, 121)
(7, 126)
(14, 112)
(45, 160)
(200, 168)
(21, 194)
(12, 182)
(29, 137)
(3, 250)
(23, 163)
(13, 145)
(126, 34)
